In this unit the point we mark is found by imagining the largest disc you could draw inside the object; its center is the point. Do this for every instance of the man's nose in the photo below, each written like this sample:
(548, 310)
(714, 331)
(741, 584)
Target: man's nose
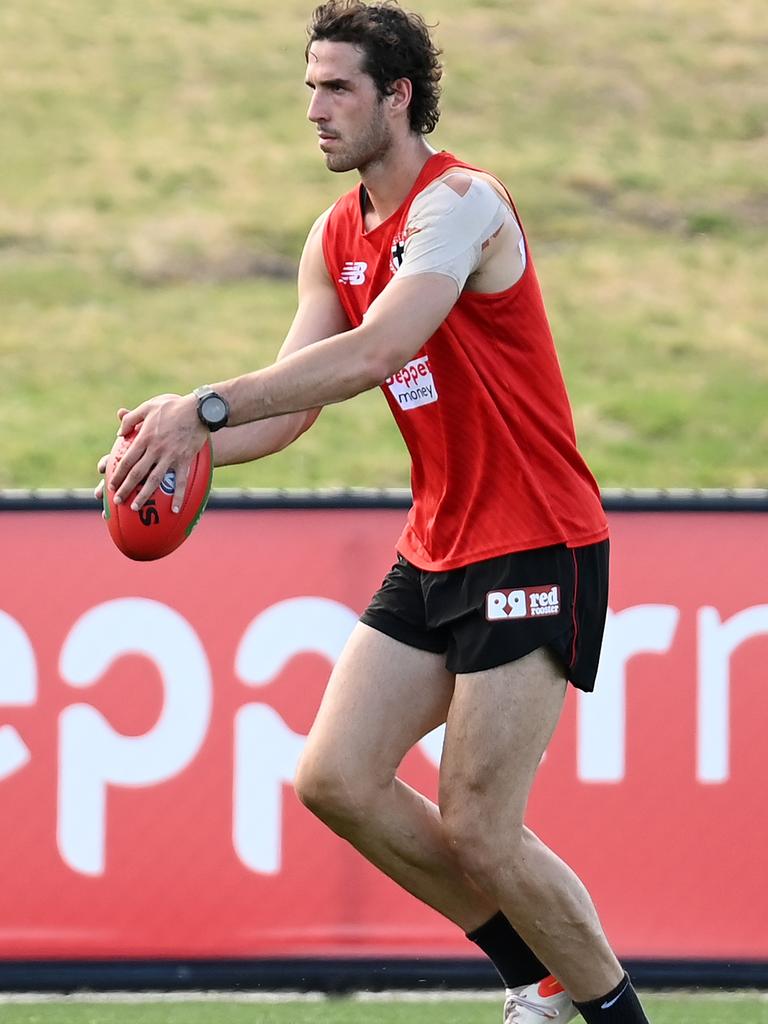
(315, 111)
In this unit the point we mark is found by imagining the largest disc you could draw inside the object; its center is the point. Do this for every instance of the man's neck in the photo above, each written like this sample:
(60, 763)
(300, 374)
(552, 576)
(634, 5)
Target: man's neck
(388, 181)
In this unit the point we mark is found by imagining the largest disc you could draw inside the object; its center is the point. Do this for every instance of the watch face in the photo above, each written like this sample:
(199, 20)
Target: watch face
(214, 409)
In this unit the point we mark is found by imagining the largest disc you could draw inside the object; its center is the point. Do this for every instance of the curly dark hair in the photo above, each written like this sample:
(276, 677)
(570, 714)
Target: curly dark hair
(396, 45)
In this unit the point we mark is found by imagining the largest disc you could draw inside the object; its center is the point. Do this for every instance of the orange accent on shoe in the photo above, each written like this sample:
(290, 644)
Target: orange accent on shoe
(549, 986)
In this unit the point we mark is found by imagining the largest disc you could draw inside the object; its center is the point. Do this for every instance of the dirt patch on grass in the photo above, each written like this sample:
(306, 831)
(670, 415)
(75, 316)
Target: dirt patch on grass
(192, 249)
(658, 214)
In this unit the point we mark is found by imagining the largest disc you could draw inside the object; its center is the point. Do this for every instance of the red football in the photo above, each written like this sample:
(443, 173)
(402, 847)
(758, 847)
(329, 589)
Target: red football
(155, 530)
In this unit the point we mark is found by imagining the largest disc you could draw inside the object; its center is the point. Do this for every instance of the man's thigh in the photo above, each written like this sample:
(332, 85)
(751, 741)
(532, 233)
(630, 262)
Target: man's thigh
(499, 724)
(382, 698)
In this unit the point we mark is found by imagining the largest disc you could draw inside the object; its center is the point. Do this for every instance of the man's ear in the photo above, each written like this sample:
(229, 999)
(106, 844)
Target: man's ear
(400, 95)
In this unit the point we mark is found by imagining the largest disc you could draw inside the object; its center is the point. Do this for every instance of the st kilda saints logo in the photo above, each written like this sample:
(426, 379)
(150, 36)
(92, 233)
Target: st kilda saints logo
(397, 252)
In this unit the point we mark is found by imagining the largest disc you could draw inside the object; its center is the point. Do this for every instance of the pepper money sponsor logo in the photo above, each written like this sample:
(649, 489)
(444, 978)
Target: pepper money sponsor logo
(523, 603)
(414, 385)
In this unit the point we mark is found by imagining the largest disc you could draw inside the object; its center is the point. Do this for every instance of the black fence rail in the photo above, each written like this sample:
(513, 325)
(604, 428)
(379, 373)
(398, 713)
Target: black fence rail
(338, 976)
(630, 500)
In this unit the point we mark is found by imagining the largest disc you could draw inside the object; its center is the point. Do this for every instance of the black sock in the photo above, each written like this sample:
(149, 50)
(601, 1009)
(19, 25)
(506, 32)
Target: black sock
(514, 961)
(619, 1006)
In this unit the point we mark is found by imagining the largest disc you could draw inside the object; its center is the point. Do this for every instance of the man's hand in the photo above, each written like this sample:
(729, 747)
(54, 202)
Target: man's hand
(101, 466)
(170, 434)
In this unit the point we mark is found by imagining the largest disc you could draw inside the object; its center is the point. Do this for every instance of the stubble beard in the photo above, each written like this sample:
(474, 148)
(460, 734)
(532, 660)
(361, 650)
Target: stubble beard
(370, 149)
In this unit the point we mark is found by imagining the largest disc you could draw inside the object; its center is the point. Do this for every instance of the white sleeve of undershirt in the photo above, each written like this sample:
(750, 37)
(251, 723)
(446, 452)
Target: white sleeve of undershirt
(446, 232)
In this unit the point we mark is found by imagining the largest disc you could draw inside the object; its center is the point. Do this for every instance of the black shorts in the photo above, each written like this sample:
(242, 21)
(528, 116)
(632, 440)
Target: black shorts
(496, 611)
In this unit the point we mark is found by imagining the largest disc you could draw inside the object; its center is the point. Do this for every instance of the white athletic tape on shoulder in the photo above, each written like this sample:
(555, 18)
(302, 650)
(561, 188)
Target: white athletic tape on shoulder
(446, 231)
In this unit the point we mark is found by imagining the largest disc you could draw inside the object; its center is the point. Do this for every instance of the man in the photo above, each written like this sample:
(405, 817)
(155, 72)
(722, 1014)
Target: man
(421, 278)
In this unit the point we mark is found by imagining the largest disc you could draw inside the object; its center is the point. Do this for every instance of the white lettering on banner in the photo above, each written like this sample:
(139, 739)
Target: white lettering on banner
(92, 756)
(267, 751)
(18, 688)
(414, 385)
(295, 626)
(717, 642)
(602, 727)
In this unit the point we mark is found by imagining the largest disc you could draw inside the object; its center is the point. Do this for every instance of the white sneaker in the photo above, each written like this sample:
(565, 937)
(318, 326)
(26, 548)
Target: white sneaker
(543, 1000)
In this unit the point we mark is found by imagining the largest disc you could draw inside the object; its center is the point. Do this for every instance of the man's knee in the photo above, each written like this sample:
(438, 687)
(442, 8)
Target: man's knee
(330, 792)
(490, 852)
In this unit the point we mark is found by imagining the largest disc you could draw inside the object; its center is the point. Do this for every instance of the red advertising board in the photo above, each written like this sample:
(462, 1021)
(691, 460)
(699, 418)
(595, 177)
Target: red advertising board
(151, 716)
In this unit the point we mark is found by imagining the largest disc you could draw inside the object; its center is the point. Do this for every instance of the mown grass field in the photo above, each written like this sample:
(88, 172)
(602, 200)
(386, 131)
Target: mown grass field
(706, 1009)
(158, 177)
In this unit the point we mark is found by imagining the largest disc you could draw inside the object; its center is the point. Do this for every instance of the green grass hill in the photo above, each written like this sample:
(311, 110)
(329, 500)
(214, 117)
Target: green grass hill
(157, 178)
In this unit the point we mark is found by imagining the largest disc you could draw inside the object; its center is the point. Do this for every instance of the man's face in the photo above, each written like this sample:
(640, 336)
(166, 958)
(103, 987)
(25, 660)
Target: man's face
(346, 108)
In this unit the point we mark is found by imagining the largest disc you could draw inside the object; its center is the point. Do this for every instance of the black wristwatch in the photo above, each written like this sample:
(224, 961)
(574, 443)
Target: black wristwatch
(212, 409)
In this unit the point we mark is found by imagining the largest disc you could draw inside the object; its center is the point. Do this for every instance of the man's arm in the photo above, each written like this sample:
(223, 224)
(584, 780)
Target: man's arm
(458, 225)
(404, 316)
(400, 321)
(318, 315)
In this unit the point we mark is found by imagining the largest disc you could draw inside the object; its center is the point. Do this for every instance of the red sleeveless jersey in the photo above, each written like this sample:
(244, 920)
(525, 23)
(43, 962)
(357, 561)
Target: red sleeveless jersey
(482, 407)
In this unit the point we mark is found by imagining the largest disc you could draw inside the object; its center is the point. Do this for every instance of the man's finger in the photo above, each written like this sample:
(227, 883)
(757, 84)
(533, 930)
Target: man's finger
(130, 420)
(149, 487)
(130, 471)
(182, 476)
(101, 466)
(135, 481)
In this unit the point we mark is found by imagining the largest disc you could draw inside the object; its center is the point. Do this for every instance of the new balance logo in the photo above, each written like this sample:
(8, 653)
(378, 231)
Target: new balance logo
(353, 273)
(525, 603)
